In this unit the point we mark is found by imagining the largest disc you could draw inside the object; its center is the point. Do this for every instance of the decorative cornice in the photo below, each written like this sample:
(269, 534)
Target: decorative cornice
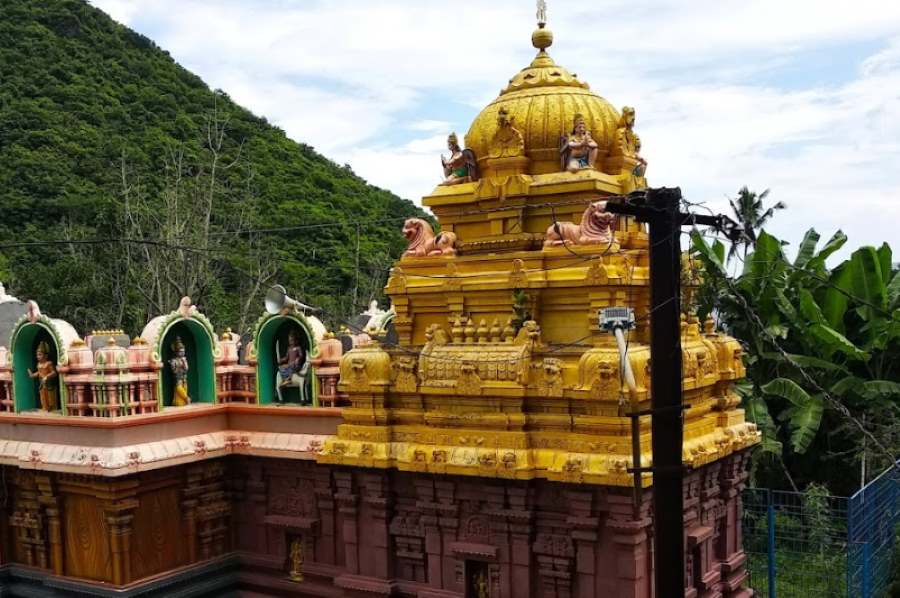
(127, 460)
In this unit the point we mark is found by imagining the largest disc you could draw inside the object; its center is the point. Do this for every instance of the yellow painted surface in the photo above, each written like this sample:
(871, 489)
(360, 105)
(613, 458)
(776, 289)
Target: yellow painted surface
(466, 392)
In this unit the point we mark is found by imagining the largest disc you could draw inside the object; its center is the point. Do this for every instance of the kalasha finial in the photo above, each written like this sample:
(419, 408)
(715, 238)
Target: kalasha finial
(542, 37)
(541, 13)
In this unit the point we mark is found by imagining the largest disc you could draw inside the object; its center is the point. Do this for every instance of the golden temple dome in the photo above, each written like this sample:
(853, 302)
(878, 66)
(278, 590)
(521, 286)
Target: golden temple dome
(542, 101)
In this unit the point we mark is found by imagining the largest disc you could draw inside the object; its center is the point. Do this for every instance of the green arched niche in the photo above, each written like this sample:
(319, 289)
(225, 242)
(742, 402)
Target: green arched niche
(274, 331)
(198, 346)
(25, 340)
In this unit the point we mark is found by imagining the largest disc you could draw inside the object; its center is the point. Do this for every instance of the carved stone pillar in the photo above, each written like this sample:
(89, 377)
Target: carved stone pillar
(632, 545)
(28, 521)
(447, 511)
(433, 546)
(521, 533)
(378, 505)
(347, 507)
(730, 552)
(212, 512)
(188, 514)
(324, 491)
(48, 498)
(119, 516)
(585, 527)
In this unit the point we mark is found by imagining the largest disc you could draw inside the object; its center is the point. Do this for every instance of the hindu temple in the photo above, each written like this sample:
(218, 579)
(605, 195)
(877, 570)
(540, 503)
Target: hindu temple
(472, 441)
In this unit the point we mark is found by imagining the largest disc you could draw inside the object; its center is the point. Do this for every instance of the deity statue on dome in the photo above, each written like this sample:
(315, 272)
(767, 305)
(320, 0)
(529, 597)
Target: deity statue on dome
(626, 141)
(179, 367)
(507, 141)
(578, 150)
(641, 169)
(293, 369)
(639, 172)
(47, 375)
(461, 166)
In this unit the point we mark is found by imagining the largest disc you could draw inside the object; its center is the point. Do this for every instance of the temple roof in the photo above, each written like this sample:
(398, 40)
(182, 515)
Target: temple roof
(543, 99)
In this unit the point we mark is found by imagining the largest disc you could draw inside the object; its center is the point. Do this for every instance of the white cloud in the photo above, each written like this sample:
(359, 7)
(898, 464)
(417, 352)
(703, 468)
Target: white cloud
(378, 85)
(430, 126)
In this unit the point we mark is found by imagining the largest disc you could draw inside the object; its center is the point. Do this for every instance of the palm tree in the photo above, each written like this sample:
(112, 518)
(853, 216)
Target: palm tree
(751, 216)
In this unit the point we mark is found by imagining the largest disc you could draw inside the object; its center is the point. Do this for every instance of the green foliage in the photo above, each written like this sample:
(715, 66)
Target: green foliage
(752, 216)
(89, 108)
(823, 353)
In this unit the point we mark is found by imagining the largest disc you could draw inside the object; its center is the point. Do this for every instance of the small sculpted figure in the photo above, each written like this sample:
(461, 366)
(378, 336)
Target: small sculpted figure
(596, 227)
(186, 308)
(4, 298)
(292, 369)
(637, 178)
(296, 572)
(626, 143)
(481, 585)
(422, 240)
(507, 141)
(461, 166)
(641, 169)
(32, 311)
(46, 373)
(578, 150)
(179, 367)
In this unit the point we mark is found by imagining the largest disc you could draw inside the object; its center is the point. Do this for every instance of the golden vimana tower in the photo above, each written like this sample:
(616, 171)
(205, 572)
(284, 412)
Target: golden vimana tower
(500, 369)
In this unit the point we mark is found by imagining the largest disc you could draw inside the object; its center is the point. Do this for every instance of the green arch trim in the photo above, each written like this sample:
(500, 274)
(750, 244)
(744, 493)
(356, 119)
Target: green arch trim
(263, 345)
(22, 347)
(200, 349)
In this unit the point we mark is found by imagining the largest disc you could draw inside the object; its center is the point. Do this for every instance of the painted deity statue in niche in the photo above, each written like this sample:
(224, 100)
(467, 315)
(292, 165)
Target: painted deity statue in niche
(179, 367)
(480, 585)
(296, 558)
(461, 166)
(578, 150)
(293, 369)
(47, 375)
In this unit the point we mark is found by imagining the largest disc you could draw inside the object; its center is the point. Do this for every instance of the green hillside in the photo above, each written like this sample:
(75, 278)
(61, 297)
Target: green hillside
(104, 136)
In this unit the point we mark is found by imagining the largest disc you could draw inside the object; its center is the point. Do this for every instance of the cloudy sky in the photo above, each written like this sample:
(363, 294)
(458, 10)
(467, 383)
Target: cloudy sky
(800, 96)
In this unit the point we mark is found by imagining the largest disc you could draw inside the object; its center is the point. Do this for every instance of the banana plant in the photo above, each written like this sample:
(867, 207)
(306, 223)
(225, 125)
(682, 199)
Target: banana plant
(818, 340)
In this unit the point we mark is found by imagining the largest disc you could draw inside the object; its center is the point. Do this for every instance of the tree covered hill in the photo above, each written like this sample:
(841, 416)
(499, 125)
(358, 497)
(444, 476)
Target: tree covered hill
(104, 137)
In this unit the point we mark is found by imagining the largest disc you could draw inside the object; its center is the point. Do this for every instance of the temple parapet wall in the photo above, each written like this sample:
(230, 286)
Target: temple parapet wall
(111, 448)
(177, 360)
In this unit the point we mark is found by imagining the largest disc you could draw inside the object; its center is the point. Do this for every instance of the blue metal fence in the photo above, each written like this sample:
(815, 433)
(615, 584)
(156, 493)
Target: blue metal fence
(872, 518)
(811, 544)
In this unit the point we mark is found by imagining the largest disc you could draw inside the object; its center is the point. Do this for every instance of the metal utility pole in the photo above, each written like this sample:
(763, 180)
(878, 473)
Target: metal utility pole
(660, 209)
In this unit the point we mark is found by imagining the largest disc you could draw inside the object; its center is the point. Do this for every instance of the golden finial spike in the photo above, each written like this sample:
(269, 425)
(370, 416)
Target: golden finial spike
(542, 37)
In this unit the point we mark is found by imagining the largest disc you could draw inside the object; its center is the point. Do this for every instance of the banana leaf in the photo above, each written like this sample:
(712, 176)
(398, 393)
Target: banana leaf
(807, 248)
(835, 342)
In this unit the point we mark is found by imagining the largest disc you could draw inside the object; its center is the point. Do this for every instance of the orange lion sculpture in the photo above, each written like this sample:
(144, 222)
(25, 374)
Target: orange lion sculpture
(596, 227)
(423, 241)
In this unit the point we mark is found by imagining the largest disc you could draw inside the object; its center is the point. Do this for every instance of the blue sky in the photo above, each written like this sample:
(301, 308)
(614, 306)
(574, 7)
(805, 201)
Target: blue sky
(800, 96)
